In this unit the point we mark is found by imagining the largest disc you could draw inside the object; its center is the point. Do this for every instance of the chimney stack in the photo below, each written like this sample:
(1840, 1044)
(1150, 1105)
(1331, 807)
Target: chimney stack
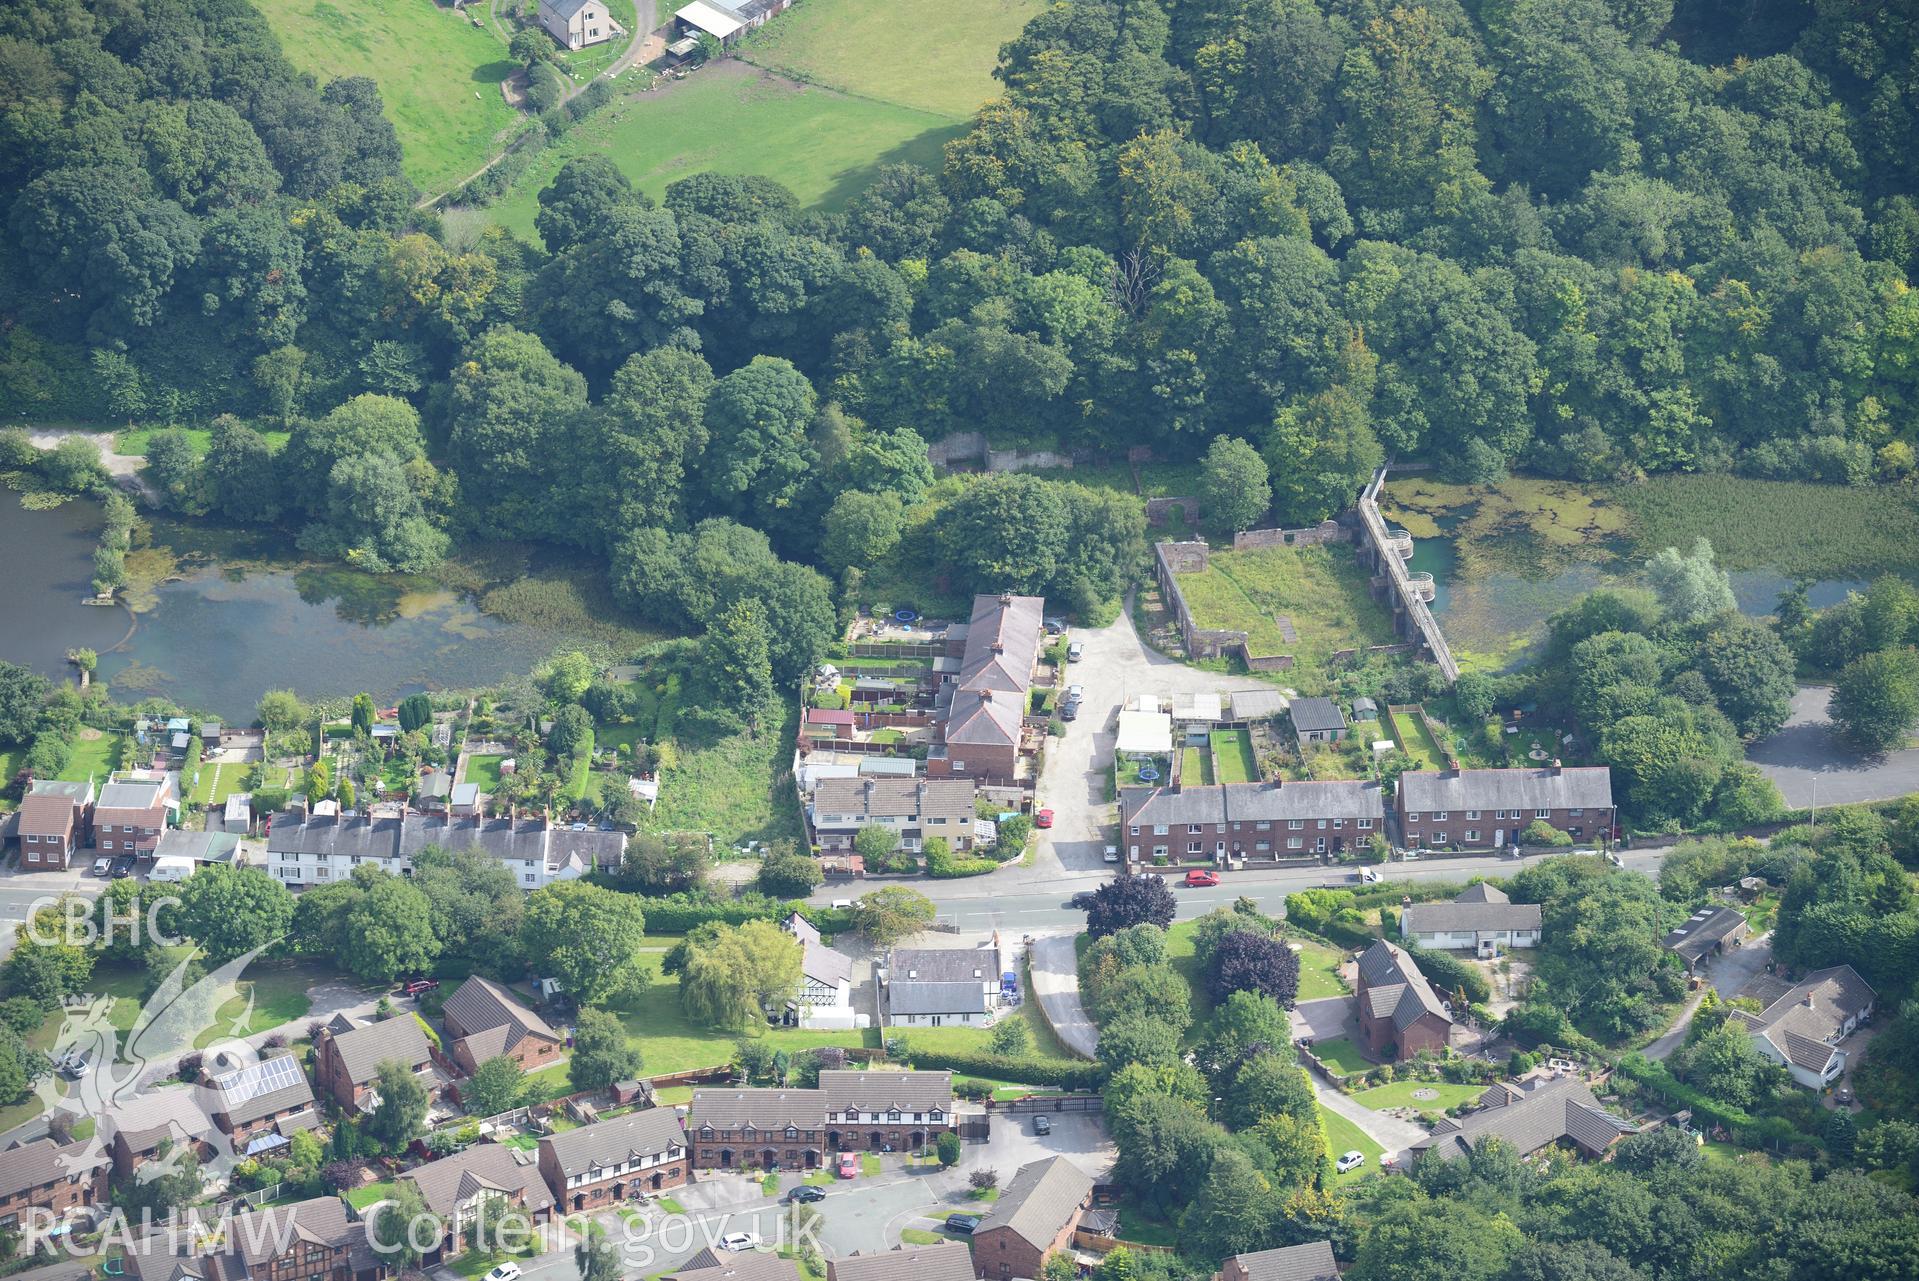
(1557, 767)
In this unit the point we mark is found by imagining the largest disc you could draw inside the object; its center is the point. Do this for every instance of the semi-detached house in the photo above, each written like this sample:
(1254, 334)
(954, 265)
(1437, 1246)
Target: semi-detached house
(54, 817)
(1249, 820)
(1489, 808)
(318, 849)
(130, 814)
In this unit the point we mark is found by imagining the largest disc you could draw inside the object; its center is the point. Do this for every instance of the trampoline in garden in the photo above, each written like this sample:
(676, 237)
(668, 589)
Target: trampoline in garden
(1148, 774)
(905, 616)
(114, 1267)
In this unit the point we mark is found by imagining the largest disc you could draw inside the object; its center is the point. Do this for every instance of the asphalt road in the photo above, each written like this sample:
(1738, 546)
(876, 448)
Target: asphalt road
(1812, 767)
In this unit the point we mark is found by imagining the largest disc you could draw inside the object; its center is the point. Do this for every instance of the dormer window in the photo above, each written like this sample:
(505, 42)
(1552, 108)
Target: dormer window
(893, 1115)
(706, 1131)
(937, 1115)
(792, 1133)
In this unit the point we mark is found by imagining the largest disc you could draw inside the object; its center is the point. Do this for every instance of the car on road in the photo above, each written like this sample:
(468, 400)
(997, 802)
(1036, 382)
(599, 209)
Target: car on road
(964, 1224)
(1081, 901)
(1042, 1125)
(806, 1192)
(101, 866)
(1075, 652)
(740, 1241)
(847, 1166)
(1200, 876)
(1351, 1161)
(1043, 819)
(505, 1272)
(416, 987)
(1111, 855)
(1075, 693)
(123, 867)
(839, 903)
(1069, 711)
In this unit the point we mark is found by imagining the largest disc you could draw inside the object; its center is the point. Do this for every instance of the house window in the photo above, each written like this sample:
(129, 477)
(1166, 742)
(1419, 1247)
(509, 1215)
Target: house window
(1365, 824)
(1263, 826)
(1192, 829)
(1294, 842)
(1439, 816)
(1575, 832)
(791, 1134)
(1472, 834)
(1136, 829)
(893, 1115)
(1472, 814)
(1262, 846)
(1412, 816)
(1542, 813)
(1322, 824)
(1295, 824)
(1160, 829)
(1576, 813)
(1193, 847)
(1159, 851)
(1439, 838)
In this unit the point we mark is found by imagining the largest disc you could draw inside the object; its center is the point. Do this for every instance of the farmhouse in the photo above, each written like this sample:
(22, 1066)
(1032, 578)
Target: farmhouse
(1707, 933)
(53, 822)
(1489, 808)
(1034, 1217)
(1318, 720)
(1802, 1030)
(1264, 820)
(457, 1188)
(1399, 1013)
(346, 1064)
(940, 987)
(979, 717)
(1481, 919)
(601, 1165)
(41, 1175)
(1312, 1261)
(1541, 1114)
(484, 1021)
(914, 810)
(947, 1261)
(577, 23)
(317, 849)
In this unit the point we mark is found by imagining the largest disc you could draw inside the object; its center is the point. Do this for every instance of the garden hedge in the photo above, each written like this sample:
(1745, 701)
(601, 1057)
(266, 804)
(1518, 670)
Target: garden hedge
(1067, 1074)
(1448, 973)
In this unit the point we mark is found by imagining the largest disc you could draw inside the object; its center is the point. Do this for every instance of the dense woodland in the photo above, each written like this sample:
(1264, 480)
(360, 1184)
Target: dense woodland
(1589, 237)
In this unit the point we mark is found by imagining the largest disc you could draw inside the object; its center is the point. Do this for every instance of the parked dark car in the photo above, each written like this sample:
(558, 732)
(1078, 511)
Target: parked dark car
(806, 1192)
(964, 1224)
(1042, 1125)
(1081, 901)
(123, 867)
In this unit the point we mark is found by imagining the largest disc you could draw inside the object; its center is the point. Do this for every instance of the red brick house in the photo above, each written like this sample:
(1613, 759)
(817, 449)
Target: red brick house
(456, 1188)
(1035, 1216)
(154, 1122)
(54, 818)
(979, 717)
(43, 1176)
(130, 814)
(484, 1021)
(600, 1165)
(1490, 808)
(345, 1064)
(1399, 1013)
(262, 1099)
(794, 1129)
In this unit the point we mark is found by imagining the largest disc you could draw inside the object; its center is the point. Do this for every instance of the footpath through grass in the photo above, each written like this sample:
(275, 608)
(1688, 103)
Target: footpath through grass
(439, 75)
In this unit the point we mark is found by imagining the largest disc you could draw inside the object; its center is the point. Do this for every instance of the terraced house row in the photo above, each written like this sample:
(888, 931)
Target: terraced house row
(795, 1129)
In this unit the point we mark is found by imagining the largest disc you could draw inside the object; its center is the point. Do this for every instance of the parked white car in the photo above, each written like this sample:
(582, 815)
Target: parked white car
(1351, 1161)
(505, 1272)
(740, 1241)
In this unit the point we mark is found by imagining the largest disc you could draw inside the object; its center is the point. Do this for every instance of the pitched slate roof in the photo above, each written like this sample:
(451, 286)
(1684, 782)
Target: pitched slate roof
(44, 814)
(848, 1088)
(452, 1181)
(1310, 714)
(1393, 987)
(648, 1132)
(911, 997)
(745, 1265)
(389, 837)
(1312, 1261)
(153, 1115)
(1251, 803)
(260, 1089)
(1039, 1201)
(1002, 643)
(42, 1161)
(1549, 1112)
(944, 965)
(1477, 907)
(255, 1239)
(1575, 787)
(907, 798)
(1704, 930)
(157, 1258)
(726, 1108)
(1257, 704)
(481, 1005)
(364, 1049)
(948, 1261)
(1804, 1024)
(984, 717)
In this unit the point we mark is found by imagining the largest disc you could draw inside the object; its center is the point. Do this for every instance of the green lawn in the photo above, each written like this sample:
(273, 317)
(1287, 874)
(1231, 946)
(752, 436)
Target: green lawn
(1233, 756)
(95, 753)
(1341, 1054)
(1410, 732)
(1319, 971)
(362, 1197)
(1195, 768)
(1321, 589)
(218, 781)
(136, 441)
(279, 996)
(978, 1040)
(1400, 1095)
(484, 770)
(1129, 768)
(731, 118)
(920, 1236)
(1342, 1136)
(670, 1042)
(438, 74)
(917, 53)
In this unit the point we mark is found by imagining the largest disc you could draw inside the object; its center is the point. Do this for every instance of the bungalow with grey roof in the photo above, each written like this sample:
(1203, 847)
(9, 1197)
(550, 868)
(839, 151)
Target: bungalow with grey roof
(1527, 1118)
(1480, 919)
(1803, 1029)
(1312, 1261)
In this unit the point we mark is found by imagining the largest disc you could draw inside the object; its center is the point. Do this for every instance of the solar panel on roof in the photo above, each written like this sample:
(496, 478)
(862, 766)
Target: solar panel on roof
(256, 1079)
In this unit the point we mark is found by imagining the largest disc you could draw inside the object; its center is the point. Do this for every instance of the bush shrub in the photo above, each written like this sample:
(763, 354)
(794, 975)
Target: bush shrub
(1450, 974)
(1064, 1073)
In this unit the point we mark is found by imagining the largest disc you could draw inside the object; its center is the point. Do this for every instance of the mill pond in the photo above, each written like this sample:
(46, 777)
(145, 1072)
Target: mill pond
(231, 618)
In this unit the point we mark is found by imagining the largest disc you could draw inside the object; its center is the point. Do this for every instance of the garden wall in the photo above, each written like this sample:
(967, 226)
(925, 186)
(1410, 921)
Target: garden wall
(1160, 510)
(1327, 531)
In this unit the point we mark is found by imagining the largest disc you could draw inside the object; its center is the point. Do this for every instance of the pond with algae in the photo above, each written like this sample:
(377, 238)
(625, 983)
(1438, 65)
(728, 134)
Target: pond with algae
(1506, 557)
(215, 618)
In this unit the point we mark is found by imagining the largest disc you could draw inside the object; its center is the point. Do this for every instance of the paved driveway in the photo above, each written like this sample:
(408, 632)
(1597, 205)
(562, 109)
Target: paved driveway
(1326, 1019)
(1055, 973)
(1389, 1132)
(1812, 767)
(1079, 1136)
(1117, 665)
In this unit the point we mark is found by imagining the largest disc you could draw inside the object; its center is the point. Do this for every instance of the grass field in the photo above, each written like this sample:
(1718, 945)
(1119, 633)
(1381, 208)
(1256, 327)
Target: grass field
(439, 75)
(1400, 1095)
(1233, 756)
(95, 753)
(136, 442)
(484, 770)
(670, 1042)
(1319, 971)
(1342, 1054)
(1410, 732)
(732, 118)
(278, 996)
(736, 789)
(1796, 528)
(1342, 1136)
(938, 57)
(218, 781)
(1321, 589)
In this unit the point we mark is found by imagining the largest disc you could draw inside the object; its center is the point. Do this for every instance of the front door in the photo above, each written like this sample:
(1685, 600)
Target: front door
(1499, 837)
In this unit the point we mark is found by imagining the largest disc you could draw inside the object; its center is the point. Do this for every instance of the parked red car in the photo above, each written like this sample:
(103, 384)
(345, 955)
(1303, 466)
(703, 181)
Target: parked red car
(1199, 876)
(848, 1166)
(414, 987)
(1043, 819)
